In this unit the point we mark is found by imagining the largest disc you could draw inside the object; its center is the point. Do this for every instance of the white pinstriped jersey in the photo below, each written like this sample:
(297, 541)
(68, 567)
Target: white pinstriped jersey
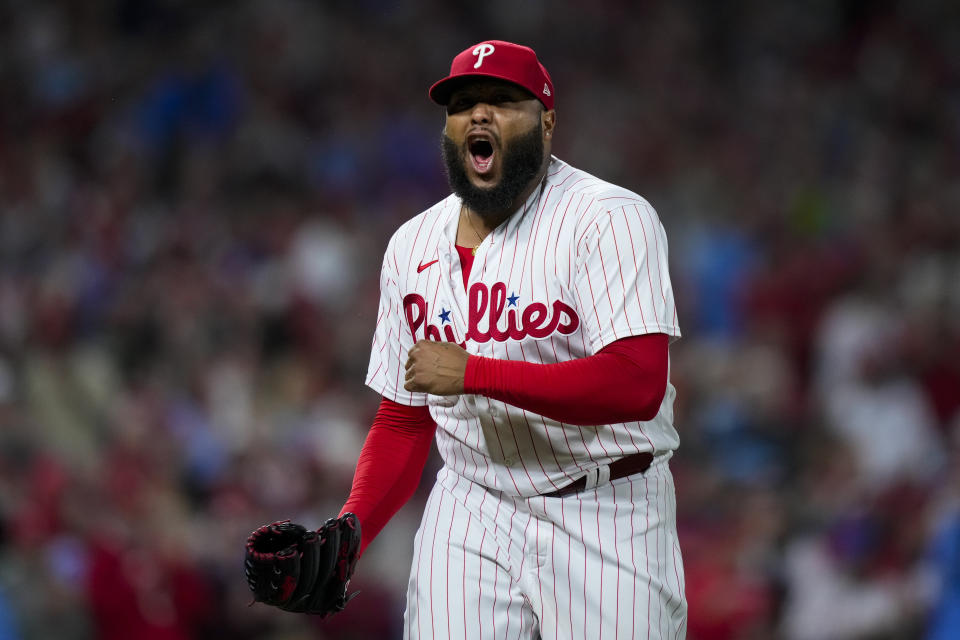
(583, 263)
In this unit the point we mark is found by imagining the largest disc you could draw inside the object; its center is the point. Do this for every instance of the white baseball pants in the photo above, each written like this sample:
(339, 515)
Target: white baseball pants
(600, 564)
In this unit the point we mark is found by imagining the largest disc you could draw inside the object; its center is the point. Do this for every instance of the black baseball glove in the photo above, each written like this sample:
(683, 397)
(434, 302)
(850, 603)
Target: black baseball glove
(295, 569)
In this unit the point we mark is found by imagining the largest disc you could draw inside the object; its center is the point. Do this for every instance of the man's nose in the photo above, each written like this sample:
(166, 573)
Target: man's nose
(480, 113)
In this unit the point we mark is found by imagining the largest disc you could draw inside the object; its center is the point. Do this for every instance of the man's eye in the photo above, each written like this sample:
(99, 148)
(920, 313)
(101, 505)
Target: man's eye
(462, 104)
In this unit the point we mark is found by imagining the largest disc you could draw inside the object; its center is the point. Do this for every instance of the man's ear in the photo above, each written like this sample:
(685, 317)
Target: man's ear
(549, 121)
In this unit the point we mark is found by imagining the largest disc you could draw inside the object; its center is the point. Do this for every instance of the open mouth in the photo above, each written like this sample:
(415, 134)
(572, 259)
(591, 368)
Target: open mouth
(481, 155)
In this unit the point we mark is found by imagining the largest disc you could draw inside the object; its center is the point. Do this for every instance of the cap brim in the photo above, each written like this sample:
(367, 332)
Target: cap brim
(441, 90)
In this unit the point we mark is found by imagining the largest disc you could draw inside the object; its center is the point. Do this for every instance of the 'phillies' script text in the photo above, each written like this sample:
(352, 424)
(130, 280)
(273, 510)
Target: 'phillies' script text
(486, 307)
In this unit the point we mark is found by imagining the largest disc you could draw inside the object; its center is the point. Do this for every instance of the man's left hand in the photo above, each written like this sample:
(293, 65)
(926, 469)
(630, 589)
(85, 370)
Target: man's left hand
(436, 367)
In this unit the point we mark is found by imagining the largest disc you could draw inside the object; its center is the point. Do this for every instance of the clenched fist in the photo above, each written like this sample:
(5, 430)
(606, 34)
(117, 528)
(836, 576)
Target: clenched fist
(436, 367)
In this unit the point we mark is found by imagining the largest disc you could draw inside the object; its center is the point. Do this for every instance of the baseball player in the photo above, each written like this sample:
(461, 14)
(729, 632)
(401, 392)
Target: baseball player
(524, 324)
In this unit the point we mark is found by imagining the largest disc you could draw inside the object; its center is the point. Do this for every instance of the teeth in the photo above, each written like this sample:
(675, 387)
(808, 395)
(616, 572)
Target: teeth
(482, 165)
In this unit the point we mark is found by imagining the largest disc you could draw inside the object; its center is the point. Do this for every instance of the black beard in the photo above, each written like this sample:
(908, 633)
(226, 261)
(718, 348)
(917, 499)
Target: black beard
(522, 161)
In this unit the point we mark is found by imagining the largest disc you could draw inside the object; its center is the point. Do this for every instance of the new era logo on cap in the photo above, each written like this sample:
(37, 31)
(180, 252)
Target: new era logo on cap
(497, 59)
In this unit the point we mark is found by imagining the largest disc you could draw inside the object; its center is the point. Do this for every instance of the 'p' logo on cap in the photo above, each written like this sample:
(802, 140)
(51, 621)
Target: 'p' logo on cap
(514, 63)
(482, 51)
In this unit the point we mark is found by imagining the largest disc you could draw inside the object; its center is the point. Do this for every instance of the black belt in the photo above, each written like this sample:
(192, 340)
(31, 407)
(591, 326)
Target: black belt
(627, 466)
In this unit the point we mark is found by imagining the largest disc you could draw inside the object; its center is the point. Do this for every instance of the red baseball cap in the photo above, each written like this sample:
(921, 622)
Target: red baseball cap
(497, 59)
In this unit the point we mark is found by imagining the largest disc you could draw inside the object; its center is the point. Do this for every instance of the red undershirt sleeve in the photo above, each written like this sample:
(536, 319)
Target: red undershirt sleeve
(390, 465)
(623, 382)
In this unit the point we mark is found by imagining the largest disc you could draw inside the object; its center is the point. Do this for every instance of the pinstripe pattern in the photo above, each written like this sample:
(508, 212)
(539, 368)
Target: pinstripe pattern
(601, 565)
(595, 247)
(583, 263)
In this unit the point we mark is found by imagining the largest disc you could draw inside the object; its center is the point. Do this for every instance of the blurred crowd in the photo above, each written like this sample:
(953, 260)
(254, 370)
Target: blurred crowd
(194, 200)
